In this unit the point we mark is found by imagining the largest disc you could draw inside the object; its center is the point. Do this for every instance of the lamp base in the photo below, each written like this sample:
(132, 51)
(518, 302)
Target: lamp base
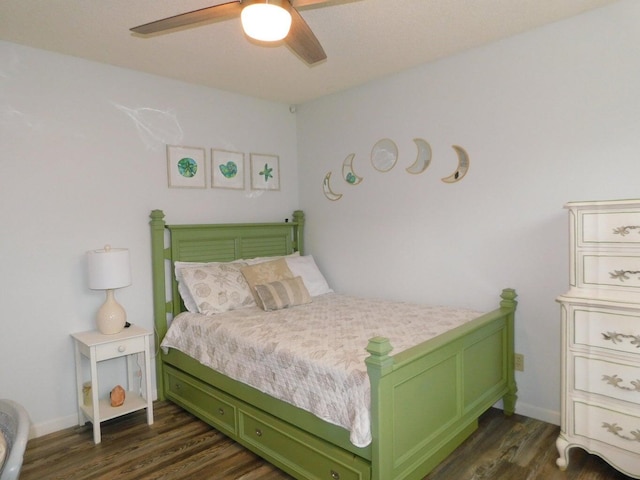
(111, 317)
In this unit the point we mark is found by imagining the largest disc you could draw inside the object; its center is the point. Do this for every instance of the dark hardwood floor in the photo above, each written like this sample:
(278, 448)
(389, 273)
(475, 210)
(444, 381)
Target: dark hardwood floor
(179, 446)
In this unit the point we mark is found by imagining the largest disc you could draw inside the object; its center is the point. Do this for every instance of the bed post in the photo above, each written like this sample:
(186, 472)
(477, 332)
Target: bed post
(298, 237)
(159, 292)
(509, 302)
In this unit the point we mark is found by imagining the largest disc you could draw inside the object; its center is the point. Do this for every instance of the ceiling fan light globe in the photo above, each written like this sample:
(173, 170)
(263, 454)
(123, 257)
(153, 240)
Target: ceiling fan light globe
(265, 22)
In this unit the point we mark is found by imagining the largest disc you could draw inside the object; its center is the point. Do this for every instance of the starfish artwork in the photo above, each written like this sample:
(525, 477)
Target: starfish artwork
(266, 172)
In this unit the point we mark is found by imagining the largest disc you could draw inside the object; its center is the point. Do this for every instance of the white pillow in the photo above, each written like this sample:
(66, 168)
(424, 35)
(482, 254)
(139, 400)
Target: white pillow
(218, 288)
(253, 261)
(306, 268)
(3, 449)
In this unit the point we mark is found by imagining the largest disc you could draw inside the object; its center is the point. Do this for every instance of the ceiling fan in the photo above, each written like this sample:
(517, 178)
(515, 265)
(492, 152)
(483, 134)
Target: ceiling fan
(294, 30)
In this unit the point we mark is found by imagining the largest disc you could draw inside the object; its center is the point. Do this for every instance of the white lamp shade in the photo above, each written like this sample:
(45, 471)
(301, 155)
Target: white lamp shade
(109, 268)
(268, 22)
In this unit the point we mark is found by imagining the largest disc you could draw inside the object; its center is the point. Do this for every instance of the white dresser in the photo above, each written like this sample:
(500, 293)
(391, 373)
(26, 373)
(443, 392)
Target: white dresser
(601, 335)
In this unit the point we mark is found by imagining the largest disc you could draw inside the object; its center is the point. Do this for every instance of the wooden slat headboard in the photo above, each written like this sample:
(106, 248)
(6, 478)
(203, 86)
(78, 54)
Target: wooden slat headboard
(211, 243)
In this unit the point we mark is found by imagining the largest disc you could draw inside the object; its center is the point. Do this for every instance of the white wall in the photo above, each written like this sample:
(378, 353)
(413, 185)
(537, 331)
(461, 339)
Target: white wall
(82, 163)
(547, 117)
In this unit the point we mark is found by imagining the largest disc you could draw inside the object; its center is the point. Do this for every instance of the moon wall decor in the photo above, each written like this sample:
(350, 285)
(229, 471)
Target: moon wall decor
(384, 155)
(347, 171)
(423, 160)
(463, 166)
(326, 188)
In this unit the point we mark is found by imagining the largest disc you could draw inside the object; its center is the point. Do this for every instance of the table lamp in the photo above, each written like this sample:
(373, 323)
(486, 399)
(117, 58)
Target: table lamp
(109, 269)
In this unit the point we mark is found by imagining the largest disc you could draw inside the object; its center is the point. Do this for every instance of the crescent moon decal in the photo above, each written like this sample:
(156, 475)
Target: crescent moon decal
(326, 188)
(347, 171)
(423, 160)
(463, 166)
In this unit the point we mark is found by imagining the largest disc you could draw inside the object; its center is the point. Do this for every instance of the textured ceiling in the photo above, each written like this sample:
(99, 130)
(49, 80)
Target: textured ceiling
(363, 39)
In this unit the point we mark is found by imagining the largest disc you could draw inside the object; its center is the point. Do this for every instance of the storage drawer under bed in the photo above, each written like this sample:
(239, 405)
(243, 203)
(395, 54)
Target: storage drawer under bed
(193, 394)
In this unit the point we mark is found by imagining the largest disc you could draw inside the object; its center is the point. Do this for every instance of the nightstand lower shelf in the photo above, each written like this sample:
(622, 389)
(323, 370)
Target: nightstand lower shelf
(133, 402)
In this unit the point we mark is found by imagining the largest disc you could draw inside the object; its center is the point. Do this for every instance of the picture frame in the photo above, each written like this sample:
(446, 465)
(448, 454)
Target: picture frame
(186, 167)
(265, 172)
(227, 169)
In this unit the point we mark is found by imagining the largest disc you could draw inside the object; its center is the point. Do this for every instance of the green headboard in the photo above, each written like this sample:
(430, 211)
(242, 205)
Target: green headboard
(210, 243)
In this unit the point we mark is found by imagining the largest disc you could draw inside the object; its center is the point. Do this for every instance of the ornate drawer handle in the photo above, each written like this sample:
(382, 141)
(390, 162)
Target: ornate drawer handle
(616, 337)
(335, 475)
(622, 275)
(258, 432)
(221, 411)
(615, 381)
(615, 429)
(625, 230)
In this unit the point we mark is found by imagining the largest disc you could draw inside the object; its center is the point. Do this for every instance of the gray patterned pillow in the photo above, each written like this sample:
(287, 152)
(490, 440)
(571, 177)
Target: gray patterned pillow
(283, 294)
(218, 288)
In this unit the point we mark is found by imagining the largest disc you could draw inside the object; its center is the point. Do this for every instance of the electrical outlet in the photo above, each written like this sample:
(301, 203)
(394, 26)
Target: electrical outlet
(518, 360)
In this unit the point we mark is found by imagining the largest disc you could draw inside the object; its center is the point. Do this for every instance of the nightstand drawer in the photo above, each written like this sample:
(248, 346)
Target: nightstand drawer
(607, 378)
(115, 349)
(608, 426)
(613, 330)
(612, 228)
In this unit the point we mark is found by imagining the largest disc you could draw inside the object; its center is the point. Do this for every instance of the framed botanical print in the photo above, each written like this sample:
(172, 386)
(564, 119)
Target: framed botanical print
(186, 167)
(227, 169)
(265, 172)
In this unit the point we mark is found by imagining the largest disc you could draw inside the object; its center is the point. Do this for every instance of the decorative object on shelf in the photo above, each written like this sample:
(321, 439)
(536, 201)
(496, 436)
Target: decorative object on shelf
(423, 159)
(326, 188)
(186, 167)
(347, 171)
(384, 155)
(463, 166)
(109, 269)
(117, 396)
(227, 169)
(265, 172)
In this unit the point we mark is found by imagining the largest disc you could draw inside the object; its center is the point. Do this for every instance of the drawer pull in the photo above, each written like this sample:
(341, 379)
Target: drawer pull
(335, 475)
(221, 411)
(615, 429)
(258, 432)
(625, 230)
(622, 275)
(616, 381)
(616, 337)
(122, 348)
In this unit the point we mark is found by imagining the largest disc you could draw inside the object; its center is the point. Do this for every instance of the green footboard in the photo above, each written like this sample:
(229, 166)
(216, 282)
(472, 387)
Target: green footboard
(424, 401)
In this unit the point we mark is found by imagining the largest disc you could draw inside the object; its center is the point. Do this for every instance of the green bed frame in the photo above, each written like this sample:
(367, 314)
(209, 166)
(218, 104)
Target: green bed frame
(424, 401)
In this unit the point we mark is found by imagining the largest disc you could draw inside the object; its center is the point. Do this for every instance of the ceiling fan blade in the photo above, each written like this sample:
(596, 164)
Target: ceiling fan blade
(306, 3)
(217, 12)
(302, 40)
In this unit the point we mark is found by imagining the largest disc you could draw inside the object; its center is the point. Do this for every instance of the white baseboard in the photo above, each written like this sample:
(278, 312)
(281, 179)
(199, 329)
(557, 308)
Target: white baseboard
(527, 410)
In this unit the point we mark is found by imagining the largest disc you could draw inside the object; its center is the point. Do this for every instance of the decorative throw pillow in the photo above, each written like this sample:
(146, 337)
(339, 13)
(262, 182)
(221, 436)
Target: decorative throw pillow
(218, 288)
(3, 449)
(265, 272)
(313, 279)
(283, 294)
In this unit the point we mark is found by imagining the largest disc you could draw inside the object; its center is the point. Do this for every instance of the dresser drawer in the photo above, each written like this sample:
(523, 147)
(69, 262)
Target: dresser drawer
(607, 378)
(611, 330)
(611, 228)
(307, 456)
(188, 391)
(118, 349)
(609, 270)
(619, 429)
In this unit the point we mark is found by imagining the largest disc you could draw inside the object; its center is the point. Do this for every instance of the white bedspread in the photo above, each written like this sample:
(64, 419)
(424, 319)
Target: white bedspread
(311, 356)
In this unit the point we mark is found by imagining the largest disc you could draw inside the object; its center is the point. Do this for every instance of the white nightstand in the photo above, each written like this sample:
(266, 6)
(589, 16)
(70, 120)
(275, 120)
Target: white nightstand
(132, 342)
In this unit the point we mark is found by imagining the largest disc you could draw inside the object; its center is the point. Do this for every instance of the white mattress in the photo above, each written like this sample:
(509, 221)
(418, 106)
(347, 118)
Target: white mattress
(311, 356)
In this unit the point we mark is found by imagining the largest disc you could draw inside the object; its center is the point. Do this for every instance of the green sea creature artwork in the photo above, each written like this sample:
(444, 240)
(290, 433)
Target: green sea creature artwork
(267, 172)
(229, 170)
(187, 167)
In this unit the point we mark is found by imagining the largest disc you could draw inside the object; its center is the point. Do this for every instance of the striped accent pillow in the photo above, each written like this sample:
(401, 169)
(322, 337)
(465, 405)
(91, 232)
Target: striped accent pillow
(284, 293)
